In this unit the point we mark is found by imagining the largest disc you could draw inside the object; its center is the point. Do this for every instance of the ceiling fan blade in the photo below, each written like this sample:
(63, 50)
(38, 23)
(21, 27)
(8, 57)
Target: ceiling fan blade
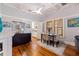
(40, 9)
(37, 11)
(33, 11)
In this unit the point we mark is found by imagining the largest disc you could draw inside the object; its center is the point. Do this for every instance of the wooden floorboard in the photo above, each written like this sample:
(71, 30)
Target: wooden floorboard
(33, 49)
(30, 50)
(71, 51)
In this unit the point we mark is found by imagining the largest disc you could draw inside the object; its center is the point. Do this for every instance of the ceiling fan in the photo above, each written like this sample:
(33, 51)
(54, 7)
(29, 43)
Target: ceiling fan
(38, 11)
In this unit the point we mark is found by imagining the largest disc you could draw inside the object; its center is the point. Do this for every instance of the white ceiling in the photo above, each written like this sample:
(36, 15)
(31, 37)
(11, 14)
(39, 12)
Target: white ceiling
(48, 9)
(31, 6)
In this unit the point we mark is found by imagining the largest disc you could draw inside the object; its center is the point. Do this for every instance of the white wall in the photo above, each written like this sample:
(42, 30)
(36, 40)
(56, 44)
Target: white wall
(0, 9)
(70, 32)
(37, 32)
(10, 19)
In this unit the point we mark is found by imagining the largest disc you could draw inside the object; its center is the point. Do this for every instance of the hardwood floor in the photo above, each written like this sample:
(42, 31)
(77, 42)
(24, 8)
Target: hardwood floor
(31, 49)
(71, 51)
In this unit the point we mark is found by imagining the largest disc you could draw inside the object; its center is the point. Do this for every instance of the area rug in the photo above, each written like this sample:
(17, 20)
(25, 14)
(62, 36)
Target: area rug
(57, 50)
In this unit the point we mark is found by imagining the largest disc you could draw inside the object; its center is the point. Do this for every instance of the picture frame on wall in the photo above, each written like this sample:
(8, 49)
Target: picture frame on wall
(7, 24)
(27, 25)
(73, 22)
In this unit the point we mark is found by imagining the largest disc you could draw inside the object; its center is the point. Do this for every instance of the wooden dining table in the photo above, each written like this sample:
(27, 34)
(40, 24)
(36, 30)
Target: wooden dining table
(51, 38)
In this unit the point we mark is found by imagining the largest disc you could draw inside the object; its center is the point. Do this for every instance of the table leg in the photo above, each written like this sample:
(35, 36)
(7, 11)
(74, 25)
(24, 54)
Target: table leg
(41, 38)
(53, 41)
(49, 40)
